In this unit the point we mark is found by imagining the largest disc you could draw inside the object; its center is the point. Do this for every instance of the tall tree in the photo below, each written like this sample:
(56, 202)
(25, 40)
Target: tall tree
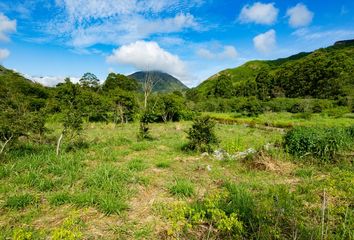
(115, 80)
(89, 80)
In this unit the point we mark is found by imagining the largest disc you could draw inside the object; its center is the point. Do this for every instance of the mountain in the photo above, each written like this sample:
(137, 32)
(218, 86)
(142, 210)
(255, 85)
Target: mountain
(323, 73)
(164, 81)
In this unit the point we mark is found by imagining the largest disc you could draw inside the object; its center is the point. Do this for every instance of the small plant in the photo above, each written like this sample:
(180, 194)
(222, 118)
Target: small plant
(69, 230)
(182, 188)
(201, 136)
(144, 130)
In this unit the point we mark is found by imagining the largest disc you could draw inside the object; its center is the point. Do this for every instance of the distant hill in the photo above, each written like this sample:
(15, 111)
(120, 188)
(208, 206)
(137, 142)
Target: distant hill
(164, 81)
(323, 73)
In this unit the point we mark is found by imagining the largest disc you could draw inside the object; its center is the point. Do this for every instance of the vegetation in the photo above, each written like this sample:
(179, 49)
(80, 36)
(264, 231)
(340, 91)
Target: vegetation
(285, 129)
(164, 82)
(201, 135)
(322, 143)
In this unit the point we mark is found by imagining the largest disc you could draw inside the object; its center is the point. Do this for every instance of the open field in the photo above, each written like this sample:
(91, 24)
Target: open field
(118, 188)
(285, 119)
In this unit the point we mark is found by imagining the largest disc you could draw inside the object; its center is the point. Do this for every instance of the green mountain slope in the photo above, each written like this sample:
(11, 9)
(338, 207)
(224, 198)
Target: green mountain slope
(17, 84)
(164, 81)
(324, 73)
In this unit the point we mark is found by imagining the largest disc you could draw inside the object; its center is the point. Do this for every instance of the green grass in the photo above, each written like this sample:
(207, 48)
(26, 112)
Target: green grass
(285, 120)
(182, 188)
(18, 202)
(121, 188)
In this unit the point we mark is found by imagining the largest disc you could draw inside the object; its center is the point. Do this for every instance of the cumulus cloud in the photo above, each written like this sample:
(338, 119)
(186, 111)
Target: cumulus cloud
(228, 52)
(260, 13)
(148, 56)
(265, 42)
(6, 26)
(299, 16)
(85, 23)
(4, 53)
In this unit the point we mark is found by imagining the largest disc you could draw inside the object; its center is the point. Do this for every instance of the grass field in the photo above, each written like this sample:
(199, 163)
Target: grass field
(118, 188)
(286, 119)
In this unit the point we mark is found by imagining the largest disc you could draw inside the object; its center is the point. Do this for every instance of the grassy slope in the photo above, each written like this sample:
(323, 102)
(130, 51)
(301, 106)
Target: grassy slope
(73, 193)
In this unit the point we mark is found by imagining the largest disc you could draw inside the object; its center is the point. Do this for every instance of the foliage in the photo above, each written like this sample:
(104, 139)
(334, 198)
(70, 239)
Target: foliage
(18, 118)
(206, 212)
(144, 130)
(321, 143)
(164, 82)
(201, 135)
(90, 81)
(120, 81)
(324, 73)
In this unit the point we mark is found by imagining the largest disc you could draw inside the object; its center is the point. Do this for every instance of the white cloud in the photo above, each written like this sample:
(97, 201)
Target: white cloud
(85, 23)
(228, 52)
(50, 81)
(331, 35)
(299, 16)
(260, 13)
(6, 26)
(265, 42)
(149, 56)
(4, 53)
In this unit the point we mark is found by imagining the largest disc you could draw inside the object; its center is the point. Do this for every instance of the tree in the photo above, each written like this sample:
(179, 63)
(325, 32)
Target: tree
(114, 81)
(223, 86)
(124, 105)
(169, 106)
(201, 135)
(149, 83)
(17, 119)
(71, 107)
(89, 80)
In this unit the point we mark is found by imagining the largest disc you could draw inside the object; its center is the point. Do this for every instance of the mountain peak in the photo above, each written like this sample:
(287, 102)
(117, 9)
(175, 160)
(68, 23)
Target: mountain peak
(164, 81)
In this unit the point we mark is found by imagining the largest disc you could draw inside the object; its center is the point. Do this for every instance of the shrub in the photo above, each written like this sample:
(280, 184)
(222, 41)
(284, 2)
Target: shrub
(321, 143)
(201, 136)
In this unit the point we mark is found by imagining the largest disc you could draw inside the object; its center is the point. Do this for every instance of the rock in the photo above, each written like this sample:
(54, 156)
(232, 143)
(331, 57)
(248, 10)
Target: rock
(208, 168)
(205, 154)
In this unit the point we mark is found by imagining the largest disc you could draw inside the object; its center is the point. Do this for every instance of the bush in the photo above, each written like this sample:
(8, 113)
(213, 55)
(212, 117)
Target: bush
(321, 143)
(201, 136)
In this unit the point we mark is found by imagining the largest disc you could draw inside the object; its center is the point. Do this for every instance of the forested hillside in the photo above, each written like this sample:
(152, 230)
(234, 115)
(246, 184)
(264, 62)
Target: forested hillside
(164, 82)
(324, 73)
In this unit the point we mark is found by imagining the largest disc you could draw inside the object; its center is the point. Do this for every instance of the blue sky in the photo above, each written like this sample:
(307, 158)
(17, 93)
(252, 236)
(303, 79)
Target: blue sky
(48, 40)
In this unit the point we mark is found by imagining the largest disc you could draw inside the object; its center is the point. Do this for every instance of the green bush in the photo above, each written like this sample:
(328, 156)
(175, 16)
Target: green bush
(201, 135)
(321, 143)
